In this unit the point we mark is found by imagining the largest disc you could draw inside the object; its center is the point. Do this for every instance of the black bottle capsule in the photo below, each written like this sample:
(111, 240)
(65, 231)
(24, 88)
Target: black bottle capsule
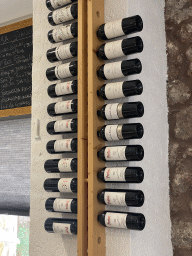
(62, 126)
(121, 110)
(120, 27)
(134, 221)
(120, 48)
(62, 226)
(62, 71)
(121, 174)
(62, 146)
(55, 4)
(119, 69)
(120, 89)
(121, 153)
(61, 89)
(61, 205)
(63, 33)
(63, 107)
(64, 185)
(121, 132)
(63, 15)
(121, 197)
(62, 52)
(61, 165)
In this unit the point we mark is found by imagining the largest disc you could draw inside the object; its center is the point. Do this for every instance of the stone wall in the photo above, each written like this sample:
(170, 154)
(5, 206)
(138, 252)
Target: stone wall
(178, 15)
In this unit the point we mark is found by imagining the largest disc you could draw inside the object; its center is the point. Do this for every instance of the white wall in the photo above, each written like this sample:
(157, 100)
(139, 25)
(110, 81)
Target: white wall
(155, 239)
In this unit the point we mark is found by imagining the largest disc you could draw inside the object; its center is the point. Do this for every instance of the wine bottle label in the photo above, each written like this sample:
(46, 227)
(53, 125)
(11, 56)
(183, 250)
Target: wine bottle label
(113, 29)
(63, 71)
(63, 52)
(113, 198)
(115, 153)
(62, 15)
(113, 70)
(64, 165)
(114, 90)
(111, 132)
(62, 205)
(58, 3)
(63, 126)
(62, 33)
(62, 228)
(114, 50)
(64, 185)
(115, 220)
(111, 111)
(62, 145)
(63, 107)
(115, 174)
(63, 88)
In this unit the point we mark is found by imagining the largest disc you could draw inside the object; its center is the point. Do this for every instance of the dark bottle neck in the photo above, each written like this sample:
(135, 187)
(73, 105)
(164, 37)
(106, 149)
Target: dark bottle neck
(51, 166)
(134, 153)
(132, 24)
(134, 87)
(130, 67)
(133, 109)
(132, 45)
(51, 185)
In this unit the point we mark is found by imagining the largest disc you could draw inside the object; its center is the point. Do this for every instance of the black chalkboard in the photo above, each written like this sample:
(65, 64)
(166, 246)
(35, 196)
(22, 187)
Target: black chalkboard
(16, 68)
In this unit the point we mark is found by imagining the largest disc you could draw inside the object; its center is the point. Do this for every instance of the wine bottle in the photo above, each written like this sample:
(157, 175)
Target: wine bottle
(64, 185)
(61, 146)
(121, 110)
(121, 174)
(62, 52)
(120, 48)
(61, 165)
(121, 132)
(63, 107)
(121, 197)
(120, 89)
(119, 69)
(135, 221)
(61, 89)
(63, 15)
(63, 71)
(61, 205)
(121, 153)
(62, 126)
(61, 226)
(120, 27)
(55, 4)
(63, 33)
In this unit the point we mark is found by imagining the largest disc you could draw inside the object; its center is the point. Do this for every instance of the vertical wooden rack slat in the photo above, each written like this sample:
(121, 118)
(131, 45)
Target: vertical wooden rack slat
(82, 237)
(96, 232)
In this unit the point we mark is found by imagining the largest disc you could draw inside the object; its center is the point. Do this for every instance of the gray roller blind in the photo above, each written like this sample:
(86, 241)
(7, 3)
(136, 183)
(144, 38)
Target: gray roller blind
(15, 147)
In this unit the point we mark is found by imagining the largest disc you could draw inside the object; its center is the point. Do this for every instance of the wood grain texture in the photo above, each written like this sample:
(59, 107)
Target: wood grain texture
(15, 111)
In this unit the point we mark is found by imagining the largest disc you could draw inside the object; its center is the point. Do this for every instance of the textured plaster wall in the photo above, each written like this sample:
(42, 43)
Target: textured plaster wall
(155, 239)
(178, 15)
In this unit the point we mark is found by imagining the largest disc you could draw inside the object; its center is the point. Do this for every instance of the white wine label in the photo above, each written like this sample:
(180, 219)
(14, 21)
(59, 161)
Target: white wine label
(63, 88)
(62, 228)
(115, 220)
(63, 107)
(111, 111)
(114, 90)
(115, 174)
(62, 15)
(115, 198)
(113, 70)
(64, 165)
(62, 145)
(115, 153)
(64, 185)
(63, 52)
(58, 3)
(62, 33)
(62, 205)
(63, 71)
(111, 132)
(63, 126)
(114, 50)
(113, 29)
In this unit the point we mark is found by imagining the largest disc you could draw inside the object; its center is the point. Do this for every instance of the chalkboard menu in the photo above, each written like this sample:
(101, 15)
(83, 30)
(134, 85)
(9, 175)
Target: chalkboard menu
(16, 68)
